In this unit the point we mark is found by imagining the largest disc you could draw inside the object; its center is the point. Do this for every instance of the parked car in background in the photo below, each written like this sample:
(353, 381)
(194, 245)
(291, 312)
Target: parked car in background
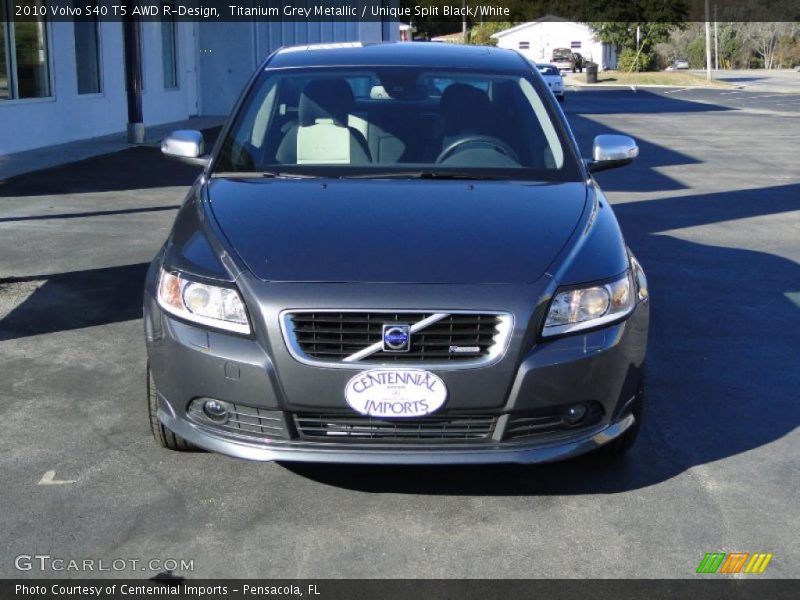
(552, 76)
(679, 64)
(562, 58)
(396, 254)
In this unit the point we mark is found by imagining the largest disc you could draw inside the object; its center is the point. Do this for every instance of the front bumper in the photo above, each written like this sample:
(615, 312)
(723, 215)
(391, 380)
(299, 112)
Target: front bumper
(601, 367)
(355, 454)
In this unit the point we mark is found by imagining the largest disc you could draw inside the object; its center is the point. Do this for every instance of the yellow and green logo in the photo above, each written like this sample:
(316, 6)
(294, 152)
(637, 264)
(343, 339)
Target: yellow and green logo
(734, 562)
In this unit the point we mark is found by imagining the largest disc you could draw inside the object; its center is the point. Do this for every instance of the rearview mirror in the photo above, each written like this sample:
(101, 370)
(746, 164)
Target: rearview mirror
(186, 146)
(612, 151)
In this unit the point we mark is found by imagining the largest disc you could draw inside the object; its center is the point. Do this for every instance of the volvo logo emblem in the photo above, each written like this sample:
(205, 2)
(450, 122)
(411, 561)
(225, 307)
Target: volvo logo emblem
(396, 338)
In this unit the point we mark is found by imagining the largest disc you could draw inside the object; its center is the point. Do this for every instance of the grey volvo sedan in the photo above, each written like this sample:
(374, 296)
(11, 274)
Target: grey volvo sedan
(396, 254)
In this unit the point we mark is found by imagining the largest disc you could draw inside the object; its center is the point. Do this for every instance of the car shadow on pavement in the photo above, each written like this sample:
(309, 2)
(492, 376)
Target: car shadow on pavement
(93, 213)
(642, 175)
(49, 303)
(73, 300)
(136, 168)
(131, 169)
(642, 101)
(725, 328)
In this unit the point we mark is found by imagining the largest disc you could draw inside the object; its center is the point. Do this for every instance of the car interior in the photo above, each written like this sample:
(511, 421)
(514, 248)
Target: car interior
(390, 120)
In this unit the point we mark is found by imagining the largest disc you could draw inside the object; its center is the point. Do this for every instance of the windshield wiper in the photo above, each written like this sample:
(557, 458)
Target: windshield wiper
(263, 175)
(288, 175)
(422, 174)
(425, 174)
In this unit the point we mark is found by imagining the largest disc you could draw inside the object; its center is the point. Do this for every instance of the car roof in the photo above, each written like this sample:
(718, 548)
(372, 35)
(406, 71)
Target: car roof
(357, 54)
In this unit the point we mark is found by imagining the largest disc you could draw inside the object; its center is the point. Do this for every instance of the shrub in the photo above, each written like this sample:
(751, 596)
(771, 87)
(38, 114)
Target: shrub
(664, 55)
(627, 61)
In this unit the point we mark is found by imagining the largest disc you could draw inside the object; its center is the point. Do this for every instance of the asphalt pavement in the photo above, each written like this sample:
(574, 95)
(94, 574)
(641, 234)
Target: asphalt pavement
(712, 210)
(761, 80)
(641, 99)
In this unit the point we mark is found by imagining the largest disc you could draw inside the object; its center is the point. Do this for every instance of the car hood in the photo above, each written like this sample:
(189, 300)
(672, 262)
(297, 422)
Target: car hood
(396, 231)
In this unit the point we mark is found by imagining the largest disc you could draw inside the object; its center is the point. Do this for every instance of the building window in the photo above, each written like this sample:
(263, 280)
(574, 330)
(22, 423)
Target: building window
(169, 52)
(524, 45)
(87, 55)
(24, 64)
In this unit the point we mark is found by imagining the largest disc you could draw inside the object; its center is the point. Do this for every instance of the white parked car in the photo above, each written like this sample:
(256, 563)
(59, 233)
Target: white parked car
(552, 76)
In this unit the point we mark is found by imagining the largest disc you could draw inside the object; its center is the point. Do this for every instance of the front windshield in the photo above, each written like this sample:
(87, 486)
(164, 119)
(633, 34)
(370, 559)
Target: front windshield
(548, 70)
(396, 120)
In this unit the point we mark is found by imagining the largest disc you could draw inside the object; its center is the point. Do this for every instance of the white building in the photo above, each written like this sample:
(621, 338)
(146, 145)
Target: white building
(537, 40)
(65, 81)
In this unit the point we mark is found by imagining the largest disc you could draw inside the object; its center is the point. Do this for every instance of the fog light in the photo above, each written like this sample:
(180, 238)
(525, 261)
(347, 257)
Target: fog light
(575, 413)
(215, 410)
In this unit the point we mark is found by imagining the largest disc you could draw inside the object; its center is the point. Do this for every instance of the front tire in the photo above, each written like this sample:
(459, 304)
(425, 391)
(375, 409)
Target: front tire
(620, 446)
(162, 435)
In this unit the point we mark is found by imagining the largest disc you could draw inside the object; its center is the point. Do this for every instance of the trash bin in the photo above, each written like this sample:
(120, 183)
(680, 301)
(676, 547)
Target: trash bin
(591, 72)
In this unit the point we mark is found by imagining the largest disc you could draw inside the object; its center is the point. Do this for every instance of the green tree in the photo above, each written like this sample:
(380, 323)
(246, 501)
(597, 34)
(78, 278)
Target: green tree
(625, 20)
(696, 53)
(481, 34)
(788, 53)
(623, 34)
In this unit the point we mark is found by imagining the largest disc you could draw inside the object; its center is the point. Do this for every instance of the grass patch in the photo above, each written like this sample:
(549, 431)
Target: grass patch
(672, 78)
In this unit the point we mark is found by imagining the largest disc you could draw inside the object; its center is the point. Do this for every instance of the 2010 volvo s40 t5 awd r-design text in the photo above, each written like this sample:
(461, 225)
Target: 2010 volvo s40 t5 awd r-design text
(395, 254)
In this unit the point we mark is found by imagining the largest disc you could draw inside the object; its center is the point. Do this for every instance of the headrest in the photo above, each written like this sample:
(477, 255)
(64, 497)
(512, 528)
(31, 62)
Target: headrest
(465, 107)
(326, 99)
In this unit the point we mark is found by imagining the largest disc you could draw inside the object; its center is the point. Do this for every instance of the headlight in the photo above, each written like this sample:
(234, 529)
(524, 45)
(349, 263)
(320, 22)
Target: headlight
(211, 305)
(642, 292)
(584, 308)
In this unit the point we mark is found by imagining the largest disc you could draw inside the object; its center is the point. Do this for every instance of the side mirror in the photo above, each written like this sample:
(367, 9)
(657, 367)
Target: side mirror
(612, 151)
(186, 146)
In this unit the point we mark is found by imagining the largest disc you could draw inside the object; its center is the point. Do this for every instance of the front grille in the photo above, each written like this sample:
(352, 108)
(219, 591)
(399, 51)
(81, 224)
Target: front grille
(243, 420)
(548, 420)
(457, 338)
(426, 429)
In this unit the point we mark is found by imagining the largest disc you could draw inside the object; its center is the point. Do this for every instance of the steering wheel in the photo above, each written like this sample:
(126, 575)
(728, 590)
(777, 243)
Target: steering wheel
(497, 144)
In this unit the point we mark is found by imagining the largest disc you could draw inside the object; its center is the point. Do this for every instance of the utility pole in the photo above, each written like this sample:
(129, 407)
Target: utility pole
(464, 33)
(133, 77)
(716, 41)
(708, 43)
